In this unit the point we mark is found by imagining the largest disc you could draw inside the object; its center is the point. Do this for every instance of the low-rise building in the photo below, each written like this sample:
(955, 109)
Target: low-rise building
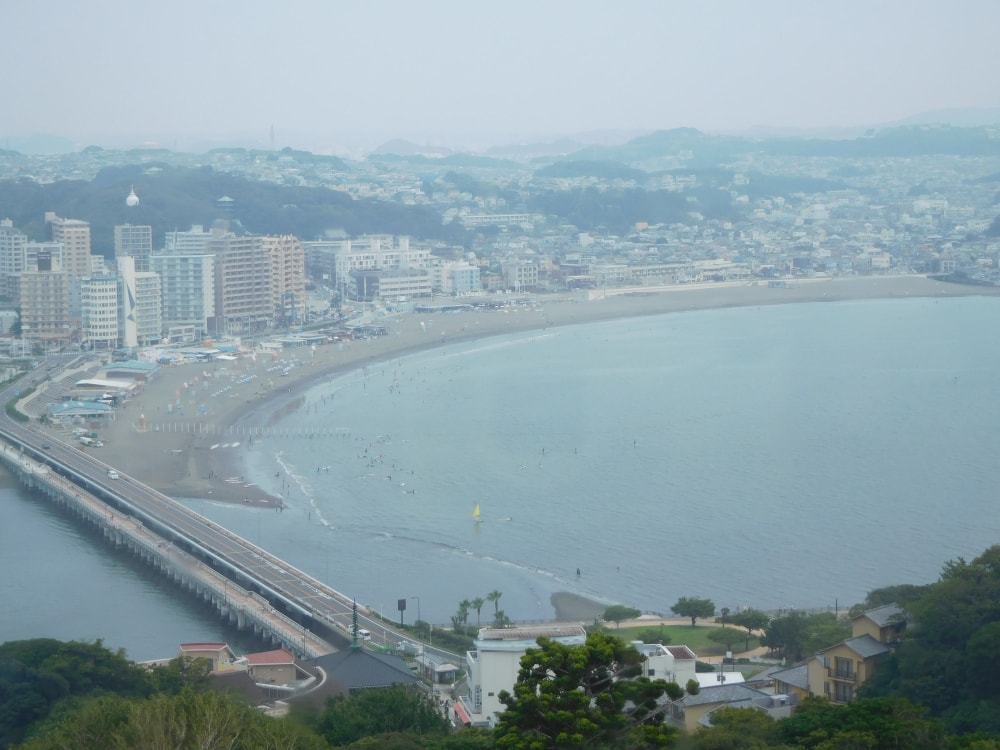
(494, 664)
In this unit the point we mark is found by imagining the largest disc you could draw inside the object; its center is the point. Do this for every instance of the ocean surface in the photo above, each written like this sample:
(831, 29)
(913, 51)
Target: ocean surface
(784, 456)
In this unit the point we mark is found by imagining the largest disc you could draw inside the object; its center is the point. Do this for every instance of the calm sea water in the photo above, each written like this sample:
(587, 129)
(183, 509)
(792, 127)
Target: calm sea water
(788, 456)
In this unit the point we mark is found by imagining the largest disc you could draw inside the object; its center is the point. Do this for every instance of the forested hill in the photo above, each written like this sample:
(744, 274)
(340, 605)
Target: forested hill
(177, 197)
(706, 149)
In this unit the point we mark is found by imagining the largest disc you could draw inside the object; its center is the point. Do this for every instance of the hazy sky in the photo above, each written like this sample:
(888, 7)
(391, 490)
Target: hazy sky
(429, 68)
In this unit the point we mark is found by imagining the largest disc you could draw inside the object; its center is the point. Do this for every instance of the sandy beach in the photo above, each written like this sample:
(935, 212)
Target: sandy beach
(180, 434)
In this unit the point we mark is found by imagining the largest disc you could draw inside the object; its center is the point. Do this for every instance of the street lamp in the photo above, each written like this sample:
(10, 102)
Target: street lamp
(418, 607)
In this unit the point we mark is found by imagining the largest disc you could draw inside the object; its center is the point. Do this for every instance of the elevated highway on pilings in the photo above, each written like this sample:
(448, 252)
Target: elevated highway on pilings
(248, 586)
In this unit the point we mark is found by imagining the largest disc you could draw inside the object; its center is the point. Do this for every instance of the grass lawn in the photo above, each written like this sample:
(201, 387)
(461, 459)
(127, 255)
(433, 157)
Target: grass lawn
(682, 635)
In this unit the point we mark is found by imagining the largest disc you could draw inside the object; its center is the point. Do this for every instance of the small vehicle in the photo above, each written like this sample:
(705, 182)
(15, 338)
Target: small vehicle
(112, 474)
(364, 635)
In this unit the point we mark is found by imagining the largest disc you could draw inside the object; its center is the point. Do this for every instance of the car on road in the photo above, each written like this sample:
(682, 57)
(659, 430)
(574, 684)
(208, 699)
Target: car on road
(46, 446)
(112, 474)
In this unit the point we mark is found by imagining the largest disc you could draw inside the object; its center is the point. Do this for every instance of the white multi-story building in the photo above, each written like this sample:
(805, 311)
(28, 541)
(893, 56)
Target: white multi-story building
(379, 252)
(494, 664)
(187, 283)
(192, 242)
(99, 307)
(13, 244)
(135, 241)
(140, 308)
(520, 274)
(148, 308)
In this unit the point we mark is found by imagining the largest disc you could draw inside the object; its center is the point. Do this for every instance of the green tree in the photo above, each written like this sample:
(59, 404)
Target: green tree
(725, 636)
(37, 674)
(346, 719)
(874, 724)
(943, 664)
(737, 729)
(477, 604)
(689, 606)
(797, 634)
(463, 614)
(584, 696)
(751, 619)
(208, 721)
(494, 596)
(617, 612)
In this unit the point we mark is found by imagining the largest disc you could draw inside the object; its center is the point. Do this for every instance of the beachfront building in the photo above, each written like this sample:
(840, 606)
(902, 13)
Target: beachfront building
(74, 235)
(100, 310)
(140, 305)
(243, 301)
(337, 260)
(520, 275)
(494, 663)
(457, 278)
(288, 278)
(135, 242)
(397, 285)
(187, 289)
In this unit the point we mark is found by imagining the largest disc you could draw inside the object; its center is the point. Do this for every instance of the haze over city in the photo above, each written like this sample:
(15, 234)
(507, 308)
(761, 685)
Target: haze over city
(328, 75)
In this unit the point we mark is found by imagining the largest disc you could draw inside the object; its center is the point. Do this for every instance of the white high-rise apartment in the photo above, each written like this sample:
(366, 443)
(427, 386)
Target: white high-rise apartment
(99, 306)
(13, 245)
(135, 241)
(187, 284)
(75, 238)
(13, 250)
(192, 242)
(140, 318)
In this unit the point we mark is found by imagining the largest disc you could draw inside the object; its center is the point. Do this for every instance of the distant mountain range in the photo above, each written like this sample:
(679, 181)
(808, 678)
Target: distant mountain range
(518, 148)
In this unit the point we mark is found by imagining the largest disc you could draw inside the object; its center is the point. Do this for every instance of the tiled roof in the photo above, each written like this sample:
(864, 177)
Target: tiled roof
(357, 668)
(883, 616)
(866, 646)
(681, 652)
(278, 656)
(722, 694)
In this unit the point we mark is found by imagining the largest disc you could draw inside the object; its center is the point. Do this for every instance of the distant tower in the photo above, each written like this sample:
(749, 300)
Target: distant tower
(133, 200)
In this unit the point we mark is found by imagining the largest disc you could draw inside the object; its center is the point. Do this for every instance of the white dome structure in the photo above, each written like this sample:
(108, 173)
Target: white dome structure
(133, 200)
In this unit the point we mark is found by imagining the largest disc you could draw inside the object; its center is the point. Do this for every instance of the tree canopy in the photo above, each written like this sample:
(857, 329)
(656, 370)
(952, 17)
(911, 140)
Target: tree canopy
(575, 696)
(693, 607)
(948, 660)
(616, 613)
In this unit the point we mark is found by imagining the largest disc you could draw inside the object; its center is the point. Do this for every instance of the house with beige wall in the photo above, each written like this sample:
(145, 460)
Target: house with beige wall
(838, 671)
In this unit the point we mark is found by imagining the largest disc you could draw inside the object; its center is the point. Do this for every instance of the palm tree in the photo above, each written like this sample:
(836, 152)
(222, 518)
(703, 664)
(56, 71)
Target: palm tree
(463, 612)
(477, 604)
(494, 596)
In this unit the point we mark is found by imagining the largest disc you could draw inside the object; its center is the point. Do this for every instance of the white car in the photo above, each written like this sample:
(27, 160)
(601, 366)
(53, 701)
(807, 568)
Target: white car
(112, 474)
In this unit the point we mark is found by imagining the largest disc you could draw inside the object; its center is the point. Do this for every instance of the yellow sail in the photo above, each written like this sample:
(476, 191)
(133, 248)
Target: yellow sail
(475, 513)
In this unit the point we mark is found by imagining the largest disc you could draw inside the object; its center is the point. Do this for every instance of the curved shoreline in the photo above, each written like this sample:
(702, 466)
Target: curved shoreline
(203, 454)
